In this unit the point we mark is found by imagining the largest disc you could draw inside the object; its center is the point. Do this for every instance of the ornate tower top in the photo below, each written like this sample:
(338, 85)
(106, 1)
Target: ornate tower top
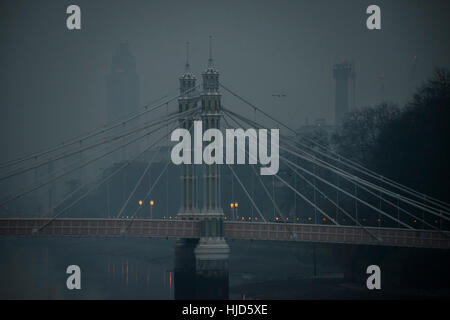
(211, 74)
(187, 80)
(187, 69)
(210, 60)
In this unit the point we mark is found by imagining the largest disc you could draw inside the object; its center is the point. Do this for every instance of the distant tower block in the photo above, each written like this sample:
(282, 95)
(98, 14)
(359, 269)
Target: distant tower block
(342, 73)
(123, 95)
(122, 85)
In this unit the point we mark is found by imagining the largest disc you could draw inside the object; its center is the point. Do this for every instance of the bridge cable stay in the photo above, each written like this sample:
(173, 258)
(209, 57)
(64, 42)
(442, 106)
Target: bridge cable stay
(377, 209)
(246, 192)
(374, 194)
(100, 183)
(126, 164)
(288, 185)
(302, 196)
(438, 206)
(381, 178)
(283, 218)
(232, 197)
(133, 216)
(320, 192)
(440, 209)
(95, 132)
(273, 192)
(167, 172)
(311, 158)
(112, 138)
(305, 198)
(378, 188)
(68, 153)
(352, 163)
(262, 183)
(96, 186)
(77, 150)
(348, 162)
(314, 191)
(355, 220)
(154, 183)
(120, 146)
(52, 177)
(253, 178)
(396, 194)
(361, 182)
(138, 183)
(421, 204)
(31, 189)
(345, 192)
(260, 180)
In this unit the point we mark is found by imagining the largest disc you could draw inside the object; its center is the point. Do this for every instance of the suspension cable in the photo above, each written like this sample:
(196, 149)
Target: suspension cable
(109, 139)
(78, 167)
(350, 163)
(246, 193)
(100, 183)
(343, 173)
(97, 131)
(345, 192)
(322, 193)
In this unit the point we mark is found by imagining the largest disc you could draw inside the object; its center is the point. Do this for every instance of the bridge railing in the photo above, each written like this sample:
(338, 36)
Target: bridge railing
(337, 234)
(99, 228)
(232, 230)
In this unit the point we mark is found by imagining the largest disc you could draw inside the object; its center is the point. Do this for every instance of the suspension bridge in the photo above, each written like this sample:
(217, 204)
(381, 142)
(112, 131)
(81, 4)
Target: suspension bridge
(350, 204)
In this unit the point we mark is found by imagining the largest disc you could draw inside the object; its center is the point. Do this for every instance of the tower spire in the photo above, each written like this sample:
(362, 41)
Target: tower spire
(187, 66)
(210, 60)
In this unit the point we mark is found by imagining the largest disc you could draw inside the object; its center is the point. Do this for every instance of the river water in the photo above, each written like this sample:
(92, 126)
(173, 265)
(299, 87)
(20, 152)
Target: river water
(140, 268)
(112, 268)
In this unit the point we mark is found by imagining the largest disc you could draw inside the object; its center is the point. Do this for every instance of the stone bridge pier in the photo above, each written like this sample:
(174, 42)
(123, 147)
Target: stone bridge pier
(201, 265)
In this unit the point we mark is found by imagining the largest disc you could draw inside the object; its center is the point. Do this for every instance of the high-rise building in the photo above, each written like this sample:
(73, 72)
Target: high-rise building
(123, 95)
(123, 85)
(342, 73)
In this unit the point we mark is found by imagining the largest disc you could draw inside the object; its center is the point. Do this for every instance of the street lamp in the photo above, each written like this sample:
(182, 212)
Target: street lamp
(235, 207)
(232, 210)
(140, 203)
(152, 203)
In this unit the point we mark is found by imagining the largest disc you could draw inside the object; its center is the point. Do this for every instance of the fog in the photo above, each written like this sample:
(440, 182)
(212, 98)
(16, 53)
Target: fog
(54, 80)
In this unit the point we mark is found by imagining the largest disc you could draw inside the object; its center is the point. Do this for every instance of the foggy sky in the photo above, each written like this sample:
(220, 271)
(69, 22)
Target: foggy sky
(53, 81)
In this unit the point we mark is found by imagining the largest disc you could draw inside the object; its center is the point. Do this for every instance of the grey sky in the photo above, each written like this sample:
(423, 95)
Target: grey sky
(53, 80)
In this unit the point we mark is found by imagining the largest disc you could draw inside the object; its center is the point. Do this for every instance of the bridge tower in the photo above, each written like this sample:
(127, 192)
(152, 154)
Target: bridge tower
(201, 265)
(212, 251)
(184, 266)
(188, 101)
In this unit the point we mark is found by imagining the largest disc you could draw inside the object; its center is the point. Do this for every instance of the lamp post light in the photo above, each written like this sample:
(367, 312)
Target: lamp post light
(232, 211)
(140, 204)
(152, 203)
(236, 207)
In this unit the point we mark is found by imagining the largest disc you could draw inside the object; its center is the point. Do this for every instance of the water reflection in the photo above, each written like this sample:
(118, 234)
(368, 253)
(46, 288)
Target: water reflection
(36, 269)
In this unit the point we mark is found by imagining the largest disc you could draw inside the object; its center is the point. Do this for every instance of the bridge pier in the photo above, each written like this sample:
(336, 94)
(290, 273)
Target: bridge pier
(212, 255)
(184, 269)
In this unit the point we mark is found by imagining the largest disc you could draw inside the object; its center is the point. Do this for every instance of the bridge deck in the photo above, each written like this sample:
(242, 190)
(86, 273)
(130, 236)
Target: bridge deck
(233, 230)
